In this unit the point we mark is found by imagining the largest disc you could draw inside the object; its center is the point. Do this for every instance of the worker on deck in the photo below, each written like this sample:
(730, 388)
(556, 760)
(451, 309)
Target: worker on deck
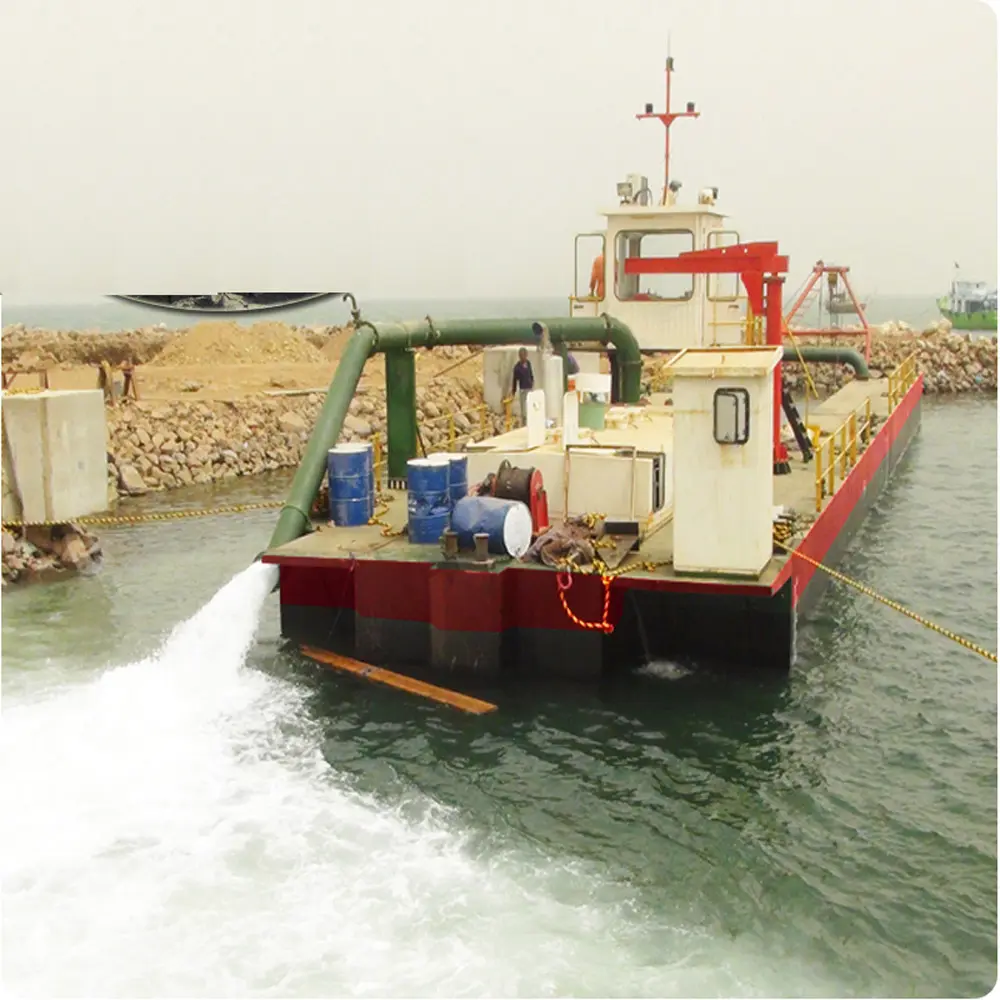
(524, 381)
(597, 277)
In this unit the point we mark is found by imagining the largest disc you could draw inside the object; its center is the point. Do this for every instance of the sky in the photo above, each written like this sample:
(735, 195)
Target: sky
(453, 148)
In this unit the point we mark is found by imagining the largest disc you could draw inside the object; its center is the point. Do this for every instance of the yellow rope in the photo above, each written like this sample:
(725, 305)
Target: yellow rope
(802, 361)
(165, 515)
(895, 605)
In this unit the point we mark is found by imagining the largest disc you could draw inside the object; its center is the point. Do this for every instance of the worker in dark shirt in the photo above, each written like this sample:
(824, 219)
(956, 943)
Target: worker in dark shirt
(524, 381)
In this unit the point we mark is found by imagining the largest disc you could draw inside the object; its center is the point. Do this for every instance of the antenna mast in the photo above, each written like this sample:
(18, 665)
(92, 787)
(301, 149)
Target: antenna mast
(668, 117)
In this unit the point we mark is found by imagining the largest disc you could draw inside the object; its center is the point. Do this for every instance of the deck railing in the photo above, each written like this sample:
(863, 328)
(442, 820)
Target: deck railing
(901, 379)
(838, 454)
(480, 413)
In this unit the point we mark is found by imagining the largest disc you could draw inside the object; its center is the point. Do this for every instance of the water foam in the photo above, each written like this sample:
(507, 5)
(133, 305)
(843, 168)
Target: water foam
(172, 829)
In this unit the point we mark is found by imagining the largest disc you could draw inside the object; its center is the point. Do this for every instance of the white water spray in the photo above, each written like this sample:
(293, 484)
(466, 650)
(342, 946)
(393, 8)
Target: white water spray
(172, 829)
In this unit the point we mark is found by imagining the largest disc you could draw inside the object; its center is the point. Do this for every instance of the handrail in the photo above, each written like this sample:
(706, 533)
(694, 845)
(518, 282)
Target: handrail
(482, 410)
(901, 379)
(850, 434)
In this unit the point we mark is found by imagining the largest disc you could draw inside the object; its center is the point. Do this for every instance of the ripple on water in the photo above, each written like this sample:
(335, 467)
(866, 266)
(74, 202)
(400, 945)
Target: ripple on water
(189, 826)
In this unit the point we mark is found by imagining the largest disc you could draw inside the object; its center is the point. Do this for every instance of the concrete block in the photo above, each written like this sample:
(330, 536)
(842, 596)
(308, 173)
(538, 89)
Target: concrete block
(55, 454)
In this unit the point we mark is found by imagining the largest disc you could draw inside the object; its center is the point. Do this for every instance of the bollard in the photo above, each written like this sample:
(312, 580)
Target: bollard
(482, 543)
(449, 543)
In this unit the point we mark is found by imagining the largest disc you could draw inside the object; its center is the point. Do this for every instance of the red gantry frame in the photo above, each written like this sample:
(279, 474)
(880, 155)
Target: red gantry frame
(813, 287)
(761, 269)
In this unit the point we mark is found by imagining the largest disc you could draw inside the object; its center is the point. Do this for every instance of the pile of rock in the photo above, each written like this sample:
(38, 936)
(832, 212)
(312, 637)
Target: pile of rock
(41, 553)
(950, 362)
(163, 445)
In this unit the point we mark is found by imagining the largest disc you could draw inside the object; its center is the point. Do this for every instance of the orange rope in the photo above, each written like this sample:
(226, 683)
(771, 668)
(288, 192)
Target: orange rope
(604, 625)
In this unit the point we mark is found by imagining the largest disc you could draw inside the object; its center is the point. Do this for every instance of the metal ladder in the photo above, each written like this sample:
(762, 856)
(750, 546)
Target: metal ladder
(798, 425)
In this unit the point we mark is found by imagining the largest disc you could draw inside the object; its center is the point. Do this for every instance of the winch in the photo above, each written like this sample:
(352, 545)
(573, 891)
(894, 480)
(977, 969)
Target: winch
(526, 485)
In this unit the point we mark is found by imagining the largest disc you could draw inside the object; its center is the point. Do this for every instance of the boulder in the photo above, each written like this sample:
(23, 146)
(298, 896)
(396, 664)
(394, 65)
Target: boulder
(131, 481)
(292, 422)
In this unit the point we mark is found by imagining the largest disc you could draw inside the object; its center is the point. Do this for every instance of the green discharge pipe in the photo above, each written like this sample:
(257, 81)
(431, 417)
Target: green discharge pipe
(829, 355)
(293, 520)
(371, 338)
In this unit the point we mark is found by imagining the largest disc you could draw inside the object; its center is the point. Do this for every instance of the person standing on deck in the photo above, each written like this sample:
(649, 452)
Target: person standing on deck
(597, 277)
(524, 381)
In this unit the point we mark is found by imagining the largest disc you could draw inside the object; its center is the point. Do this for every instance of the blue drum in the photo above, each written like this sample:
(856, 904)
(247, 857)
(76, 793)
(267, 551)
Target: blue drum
(350, 471)
(428, 503)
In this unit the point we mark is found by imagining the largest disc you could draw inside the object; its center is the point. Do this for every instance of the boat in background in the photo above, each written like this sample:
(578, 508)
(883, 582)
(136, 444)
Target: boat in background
(971, 305)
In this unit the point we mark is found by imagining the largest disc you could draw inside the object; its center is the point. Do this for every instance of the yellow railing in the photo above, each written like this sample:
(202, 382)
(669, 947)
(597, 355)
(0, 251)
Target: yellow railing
(485, 430)
(838, 454)
(901, 380)
(751, 325)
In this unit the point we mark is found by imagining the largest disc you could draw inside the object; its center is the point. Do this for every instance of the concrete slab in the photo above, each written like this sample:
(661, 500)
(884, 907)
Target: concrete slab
(55, 461)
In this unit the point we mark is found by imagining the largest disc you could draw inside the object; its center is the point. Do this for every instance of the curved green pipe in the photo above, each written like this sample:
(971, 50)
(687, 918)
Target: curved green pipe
(829, 355)
(372, 338)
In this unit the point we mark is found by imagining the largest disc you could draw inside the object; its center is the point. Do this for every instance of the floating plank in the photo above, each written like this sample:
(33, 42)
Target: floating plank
(404, 683)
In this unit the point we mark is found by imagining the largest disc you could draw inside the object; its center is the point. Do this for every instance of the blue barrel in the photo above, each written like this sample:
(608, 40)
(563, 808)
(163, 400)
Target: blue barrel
(458, 475)
(351, 477)
(507, 522)
(428, 503)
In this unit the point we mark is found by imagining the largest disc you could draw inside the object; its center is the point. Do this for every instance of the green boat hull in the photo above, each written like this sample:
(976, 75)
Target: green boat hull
(986, 320)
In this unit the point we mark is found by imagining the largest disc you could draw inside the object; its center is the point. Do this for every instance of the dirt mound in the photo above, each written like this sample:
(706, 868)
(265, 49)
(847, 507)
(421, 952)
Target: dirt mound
(31, 349)
(336, 342)
(222, 343)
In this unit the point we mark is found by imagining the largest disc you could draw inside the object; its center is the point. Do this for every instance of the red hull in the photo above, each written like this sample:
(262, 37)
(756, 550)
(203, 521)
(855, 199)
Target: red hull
(432, 613)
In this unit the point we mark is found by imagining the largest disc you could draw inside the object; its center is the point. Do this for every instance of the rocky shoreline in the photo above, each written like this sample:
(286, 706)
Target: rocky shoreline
(48, 553)
(950, 362)
(163, 444)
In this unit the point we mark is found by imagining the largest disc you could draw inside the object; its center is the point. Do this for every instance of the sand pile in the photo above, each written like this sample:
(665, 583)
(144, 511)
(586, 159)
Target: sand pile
(222, 343)
(336, 342)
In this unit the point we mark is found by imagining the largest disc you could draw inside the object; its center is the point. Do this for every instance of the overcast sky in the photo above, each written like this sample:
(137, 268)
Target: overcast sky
(452, 148)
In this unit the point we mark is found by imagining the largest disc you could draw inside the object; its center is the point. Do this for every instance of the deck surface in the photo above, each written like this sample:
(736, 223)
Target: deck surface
(795, 491)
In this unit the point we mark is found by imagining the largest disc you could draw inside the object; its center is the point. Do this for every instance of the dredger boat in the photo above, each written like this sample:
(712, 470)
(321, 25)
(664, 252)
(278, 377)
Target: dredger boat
(706, 533)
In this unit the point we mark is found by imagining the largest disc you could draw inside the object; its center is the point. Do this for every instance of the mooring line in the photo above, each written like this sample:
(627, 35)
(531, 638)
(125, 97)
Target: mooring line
(895, 605)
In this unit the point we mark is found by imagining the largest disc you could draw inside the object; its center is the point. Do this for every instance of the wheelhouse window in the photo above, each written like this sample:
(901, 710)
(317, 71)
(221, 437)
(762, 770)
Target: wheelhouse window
(652, 287)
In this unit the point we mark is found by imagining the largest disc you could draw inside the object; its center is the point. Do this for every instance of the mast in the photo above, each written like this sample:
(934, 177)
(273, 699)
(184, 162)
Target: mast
(667, 118)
